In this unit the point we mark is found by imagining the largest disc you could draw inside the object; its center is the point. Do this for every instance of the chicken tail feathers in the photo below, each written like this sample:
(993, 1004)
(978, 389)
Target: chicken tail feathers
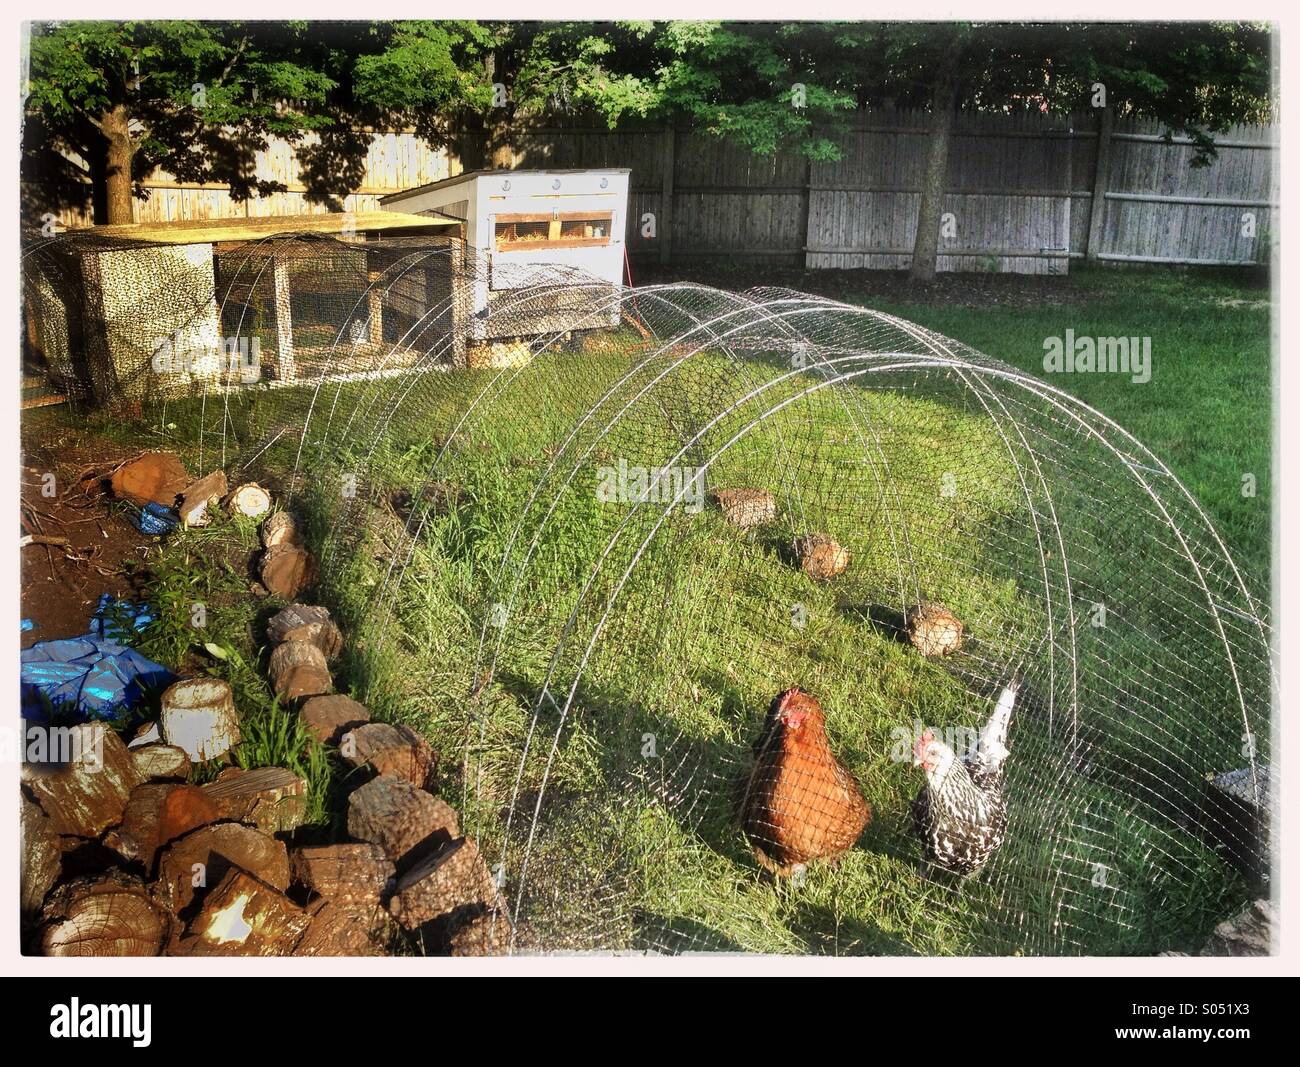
(992, 750)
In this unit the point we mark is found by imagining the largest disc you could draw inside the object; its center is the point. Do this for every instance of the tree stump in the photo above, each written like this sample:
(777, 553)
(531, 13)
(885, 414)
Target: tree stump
(111, 915)
(244, 917)
(355, 873)
(402, 819)
(201, 859)
(156, 815)
(199, 498)
(933, 630)
(88, 794)
(288, 570)
(249, 500)
(198, 716)
(395, 750)
(306, 622)
(746, 508)
(821, 557)
(298, 669)
(328, 718)
(271, 798)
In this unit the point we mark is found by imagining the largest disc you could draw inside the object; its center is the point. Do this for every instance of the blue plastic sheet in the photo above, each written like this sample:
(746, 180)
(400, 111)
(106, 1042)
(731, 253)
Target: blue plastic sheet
(155, 520)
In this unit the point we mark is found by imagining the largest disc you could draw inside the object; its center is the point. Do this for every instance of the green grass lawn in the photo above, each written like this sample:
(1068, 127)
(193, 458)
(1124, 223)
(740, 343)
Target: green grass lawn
(595, 672)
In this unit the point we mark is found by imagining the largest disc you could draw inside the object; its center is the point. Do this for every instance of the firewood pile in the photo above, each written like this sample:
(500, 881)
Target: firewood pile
(124, 856)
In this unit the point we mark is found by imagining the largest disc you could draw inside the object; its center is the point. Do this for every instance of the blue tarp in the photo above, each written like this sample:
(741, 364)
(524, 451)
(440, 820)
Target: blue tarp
(94, 676)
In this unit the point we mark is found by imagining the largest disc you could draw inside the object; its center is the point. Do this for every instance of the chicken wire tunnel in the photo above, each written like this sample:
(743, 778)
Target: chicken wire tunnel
(685, 602)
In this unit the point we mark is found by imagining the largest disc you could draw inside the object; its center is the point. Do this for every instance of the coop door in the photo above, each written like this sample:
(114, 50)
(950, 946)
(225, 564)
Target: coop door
(545, 248)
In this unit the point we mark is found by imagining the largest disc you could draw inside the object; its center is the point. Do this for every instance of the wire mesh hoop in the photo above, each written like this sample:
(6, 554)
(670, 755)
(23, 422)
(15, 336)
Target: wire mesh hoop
(584, 537)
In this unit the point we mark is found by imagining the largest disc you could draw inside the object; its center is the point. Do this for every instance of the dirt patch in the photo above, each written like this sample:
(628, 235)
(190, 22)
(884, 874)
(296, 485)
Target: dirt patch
(63, 500)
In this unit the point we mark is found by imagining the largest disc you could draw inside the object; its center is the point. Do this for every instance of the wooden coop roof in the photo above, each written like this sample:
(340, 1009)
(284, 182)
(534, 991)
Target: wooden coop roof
(470, 175)
(215, 231)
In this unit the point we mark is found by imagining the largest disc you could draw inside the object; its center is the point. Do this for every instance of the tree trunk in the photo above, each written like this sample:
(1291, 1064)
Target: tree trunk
(926, 250)
(120, 155)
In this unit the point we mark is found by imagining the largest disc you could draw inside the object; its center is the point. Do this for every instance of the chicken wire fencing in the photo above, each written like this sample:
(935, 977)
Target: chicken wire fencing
(743, 622)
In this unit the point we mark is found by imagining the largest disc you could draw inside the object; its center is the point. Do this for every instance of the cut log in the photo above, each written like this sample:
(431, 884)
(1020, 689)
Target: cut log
(199, 500)
(1250, 933)
(153, 762)
(288, 570)
(87, 793)
(271, 798)
(198, 716)
(244, 917)
(476, 930)
(454, 876)
(147, 733)
(348, 873)
(395, 750)
(402, 819)
(746, 508)
(306, 622)
(156, 815)
(822, 558)
(341, 930)
(298, 669)
(201, 859)
(328, 718)
(154, 478)
(280, 529)
(40, 859)
(111, 915)
(249, 500)
(933, 630)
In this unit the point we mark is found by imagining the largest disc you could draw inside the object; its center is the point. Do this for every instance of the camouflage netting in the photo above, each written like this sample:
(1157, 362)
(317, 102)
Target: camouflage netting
(582, 538)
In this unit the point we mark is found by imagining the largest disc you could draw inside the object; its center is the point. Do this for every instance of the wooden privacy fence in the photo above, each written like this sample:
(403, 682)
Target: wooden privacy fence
(1026, 193)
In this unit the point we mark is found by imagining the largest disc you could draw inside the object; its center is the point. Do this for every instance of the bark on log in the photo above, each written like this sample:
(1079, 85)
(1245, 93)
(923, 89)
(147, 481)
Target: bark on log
(280, 529)
(746, 508)
(199, 500)
(243, 916)
(271, 798)
(155, 761)
(40, 859)
(156, 815)
(306, 622)
(201, 859)
(455, 876)
(298, 669)
(154, 478)
(338, 929)
(933, 630)
(249, 500)
(198, 716)
(328, 718)
(822, 558)
(356, 873)
(88, 794)
(111, 915)
(403, 820)
(288, 570)
(389, 749)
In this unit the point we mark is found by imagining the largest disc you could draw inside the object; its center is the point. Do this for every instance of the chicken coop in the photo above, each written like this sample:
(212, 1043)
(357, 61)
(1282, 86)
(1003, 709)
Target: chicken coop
(533, 229)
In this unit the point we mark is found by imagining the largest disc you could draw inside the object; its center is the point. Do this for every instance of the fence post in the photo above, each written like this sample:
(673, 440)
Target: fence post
(1100, 184)
(669, 165)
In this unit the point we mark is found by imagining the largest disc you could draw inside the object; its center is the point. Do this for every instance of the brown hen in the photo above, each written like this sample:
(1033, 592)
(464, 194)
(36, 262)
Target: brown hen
(800, 803)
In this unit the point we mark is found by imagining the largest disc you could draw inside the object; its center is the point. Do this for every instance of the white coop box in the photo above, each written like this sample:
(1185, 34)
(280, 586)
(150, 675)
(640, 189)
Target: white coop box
(533, 227)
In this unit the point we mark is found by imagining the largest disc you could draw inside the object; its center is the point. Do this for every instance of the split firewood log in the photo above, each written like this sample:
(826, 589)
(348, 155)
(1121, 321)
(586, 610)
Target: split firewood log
(198, 498)
(298, 669)
(243, 916)
(201, 859)
(933, 630)
(402, 819)
(389, 749)
(198, 716)
(108, 915)
(157, 814)
(155, 761)
(250, 500)
(288, 570)
(280, 529)
(454, 876)
(338, 929)
(271, 798)
(354, 872)
(307, 622)
(40, 859)
(87, 790)
(821, 557)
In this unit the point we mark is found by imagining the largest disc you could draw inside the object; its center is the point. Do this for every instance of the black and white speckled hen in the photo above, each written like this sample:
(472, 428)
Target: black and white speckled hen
(960, 813)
